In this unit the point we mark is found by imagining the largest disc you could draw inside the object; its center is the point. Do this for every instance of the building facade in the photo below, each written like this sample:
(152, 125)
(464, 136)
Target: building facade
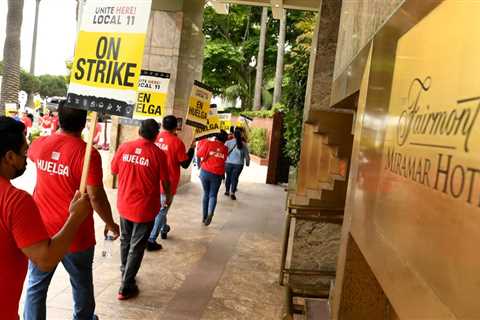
(393, 93)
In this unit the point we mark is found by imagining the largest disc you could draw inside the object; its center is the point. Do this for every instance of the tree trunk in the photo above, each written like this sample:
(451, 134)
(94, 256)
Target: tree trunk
(257, 103)
(11, 55)
(277, 93)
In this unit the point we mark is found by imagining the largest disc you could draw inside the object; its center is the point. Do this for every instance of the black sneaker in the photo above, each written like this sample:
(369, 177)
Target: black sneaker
(233, 197)
(128, 293)
(153, 246)
(163, 235)
(209, 219)
(227, 193)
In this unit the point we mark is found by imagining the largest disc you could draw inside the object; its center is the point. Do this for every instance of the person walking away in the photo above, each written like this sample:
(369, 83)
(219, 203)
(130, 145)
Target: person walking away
(23, 235)
(141, 168)
(177, 157)
(238, 155)
(199, 145)
(231, 134)
(59, 161)
(213, 155)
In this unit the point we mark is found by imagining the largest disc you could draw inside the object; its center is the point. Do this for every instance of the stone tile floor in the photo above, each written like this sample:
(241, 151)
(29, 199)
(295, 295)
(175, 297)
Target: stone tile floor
(228, 270)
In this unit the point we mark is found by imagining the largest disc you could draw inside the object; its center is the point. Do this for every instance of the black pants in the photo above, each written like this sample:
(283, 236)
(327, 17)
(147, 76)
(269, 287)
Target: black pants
(133, 240)
(232, 172)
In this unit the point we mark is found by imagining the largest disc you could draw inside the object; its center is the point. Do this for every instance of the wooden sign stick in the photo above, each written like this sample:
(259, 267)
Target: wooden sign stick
(88, 153)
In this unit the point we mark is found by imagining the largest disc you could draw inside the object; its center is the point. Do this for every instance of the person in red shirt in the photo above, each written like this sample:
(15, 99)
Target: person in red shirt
(26, 120)
(213, 155)
(22, 233)
(59, 161)
(142, 169)
(177, 157)
(46, 124)
(55, 122)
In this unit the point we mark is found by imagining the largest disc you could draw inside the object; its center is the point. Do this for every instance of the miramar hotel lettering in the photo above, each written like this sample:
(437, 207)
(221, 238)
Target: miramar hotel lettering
(431, 143)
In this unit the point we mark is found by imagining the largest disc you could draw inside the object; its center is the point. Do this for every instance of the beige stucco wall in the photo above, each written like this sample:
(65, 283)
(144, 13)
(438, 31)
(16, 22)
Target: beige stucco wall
(359, 21)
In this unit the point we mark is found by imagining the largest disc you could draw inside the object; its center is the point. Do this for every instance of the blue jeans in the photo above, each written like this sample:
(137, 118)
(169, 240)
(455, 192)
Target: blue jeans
(233, 172)
(79, 267)
(160, 224)
(211, 184)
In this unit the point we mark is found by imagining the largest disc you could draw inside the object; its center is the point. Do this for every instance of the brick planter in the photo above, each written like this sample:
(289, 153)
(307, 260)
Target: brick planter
(258, 160)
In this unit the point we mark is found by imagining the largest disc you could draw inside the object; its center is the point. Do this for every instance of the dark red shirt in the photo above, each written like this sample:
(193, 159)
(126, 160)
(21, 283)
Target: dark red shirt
(20, 227)
(140, 166)
(213, 154)
(59, 160)
(175, 152)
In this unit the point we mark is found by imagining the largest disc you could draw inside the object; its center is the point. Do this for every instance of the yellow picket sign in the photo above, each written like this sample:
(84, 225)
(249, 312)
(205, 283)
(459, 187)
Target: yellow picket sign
(225, 121)
(212, 128)
(103, 61)
(108, 56)
(199, 106)
(225, 125)
(152, 95)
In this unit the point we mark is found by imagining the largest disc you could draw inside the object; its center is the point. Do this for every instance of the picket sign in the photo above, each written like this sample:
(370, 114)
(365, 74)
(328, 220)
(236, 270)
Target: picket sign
(108, 62)
(199, 105)
(211, 130)
(152, 95)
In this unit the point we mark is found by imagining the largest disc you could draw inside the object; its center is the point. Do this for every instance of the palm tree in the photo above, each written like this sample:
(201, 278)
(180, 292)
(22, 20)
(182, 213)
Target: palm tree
(11, 55)
(257, 102)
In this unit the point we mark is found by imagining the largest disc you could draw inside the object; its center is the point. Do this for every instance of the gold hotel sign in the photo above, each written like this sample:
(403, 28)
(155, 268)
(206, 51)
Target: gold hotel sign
(426, 207)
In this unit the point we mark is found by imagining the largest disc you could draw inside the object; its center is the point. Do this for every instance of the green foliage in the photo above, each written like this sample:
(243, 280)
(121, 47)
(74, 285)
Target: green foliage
(251, 114)
(258, 142)
(292, 123)
(46, 85)
(28, 82)
(295, 82)
(52, 86)
(231, 42)
(298, 60)
(259, 114)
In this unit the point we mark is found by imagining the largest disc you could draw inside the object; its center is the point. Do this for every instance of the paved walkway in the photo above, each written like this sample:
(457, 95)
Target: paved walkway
(228, 270)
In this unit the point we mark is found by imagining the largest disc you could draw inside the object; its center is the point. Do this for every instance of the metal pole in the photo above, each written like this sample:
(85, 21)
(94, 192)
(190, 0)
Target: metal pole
(34, 44)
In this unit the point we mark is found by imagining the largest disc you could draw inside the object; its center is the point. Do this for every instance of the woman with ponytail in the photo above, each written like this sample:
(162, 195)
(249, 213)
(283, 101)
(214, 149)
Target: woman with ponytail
(238, 155)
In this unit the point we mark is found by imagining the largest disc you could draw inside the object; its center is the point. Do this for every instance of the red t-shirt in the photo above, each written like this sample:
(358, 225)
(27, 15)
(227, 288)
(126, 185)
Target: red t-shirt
(20, 226)
(213, 154)
(201, 143)
(140, 167)
(46, 122)
(59, 161)
(27, 122)
(174, 149)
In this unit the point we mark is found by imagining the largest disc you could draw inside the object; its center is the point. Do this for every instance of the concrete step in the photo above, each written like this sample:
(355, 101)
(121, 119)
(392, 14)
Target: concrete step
(316, 309)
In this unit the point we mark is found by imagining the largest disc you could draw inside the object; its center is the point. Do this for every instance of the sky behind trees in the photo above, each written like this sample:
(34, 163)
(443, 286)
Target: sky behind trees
(56, 34)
